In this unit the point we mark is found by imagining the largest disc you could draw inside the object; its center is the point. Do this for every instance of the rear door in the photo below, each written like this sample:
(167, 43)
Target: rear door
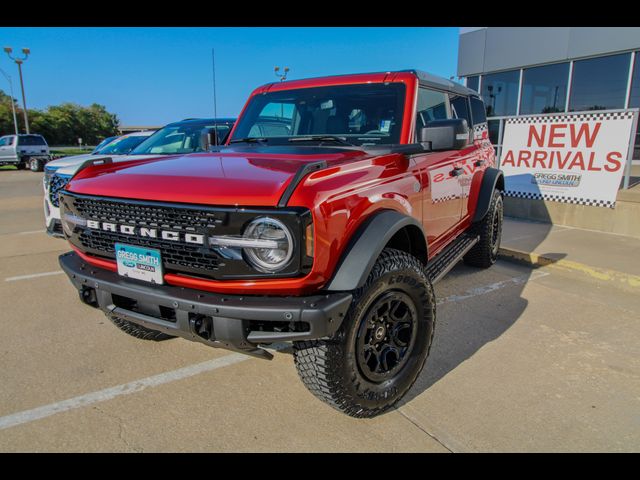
(470, 156)
(442, 192)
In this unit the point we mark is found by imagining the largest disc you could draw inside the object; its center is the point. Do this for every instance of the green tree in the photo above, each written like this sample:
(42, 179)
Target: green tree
(62, 124)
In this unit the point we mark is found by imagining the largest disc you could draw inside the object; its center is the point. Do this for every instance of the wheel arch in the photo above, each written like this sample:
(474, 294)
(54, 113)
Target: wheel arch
(492, 179)
(386, 228)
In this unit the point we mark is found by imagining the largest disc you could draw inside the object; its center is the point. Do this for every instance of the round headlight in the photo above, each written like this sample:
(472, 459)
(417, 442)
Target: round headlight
(278, 242)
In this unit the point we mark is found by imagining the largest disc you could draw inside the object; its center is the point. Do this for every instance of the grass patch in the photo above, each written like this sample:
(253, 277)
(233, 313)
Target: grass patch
(65, 152)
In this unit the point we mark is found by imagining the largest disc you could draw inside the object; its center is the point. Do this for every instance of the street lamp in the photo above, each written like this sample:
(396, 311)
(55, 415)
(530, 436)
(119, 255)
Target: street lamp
(20, 61)
(13, 105)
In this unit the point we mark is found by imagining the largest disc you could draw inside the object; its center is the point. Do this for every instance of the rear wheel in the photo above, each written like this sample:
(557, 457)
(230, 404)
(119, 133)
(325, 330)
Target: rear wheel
(379, 350)
(136, 330)
(485, 252)
(35, 165)
(22, 164)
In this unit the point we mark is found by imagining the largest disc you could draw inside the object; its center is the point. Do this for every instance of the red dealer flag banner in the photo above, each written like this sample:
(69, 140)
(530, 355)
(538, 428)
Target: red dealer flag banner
(573, 158)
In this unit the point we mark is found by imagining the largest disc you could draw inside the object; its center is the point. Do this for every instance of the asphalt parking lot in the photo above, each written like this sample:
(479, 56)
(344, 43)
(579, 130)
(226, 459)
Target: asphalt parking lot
(523, 360)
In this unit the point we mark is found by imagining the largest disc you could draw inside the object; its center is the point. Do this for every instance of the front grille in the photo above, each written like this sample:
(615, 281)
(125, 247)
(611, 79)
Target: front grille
(57, 183)
(147, 215)
(176, 256)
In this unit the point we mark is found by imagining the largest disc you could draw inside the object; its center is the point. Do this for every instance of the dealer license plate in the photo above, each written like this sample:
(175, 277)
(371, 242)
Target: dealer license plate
(139, 262)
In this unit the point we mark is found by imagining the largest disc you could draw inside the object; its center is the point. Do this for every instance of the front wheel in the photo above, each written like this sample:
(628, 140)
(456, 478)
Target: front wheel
(381, 347)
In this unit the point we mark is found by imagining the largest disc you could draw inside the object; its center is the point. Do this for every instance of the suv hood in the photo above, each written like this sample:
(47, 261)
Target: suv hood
(70, 165)
(252, 176)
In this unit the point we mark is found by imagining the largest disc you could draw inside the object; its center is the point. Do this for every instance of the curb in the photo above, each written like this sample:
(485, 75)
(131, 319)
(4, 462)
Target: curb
(622, 280)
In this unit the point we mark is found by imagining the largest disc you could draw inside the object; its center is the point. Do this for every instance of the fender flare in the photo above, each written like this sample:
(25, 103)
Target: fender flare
(365, 247)
(493, 178)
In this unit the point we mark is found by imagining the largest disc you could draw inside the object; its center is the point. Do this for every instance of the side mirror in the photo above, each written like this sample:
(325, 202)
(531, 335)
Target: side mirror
(208, 137)
(450, 134)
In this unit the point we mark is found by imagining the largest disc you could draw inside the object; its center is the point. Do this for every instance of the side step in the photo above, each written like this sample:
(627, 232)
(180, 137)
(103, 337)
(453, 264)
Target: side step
(440, 265)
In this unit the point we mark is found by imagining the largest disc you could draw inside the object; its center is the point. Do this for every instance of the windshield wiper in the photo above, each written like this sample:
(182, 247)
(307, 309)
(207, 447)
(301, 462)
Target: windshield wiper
(321, 138)
(250, 140)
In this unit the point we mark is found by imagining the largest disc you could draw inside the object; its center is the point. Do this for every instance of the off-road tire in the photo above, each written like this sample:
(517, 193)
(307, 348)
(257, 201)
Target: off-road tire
(485, 252)
(330, 369)
(136, 330)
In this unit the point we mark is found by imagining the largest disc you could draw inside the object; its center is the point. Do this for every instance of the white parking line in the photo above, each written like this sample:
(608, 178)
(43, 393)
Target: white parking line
(33, 275)
(31, 231)
(124, 389)
(38, 413)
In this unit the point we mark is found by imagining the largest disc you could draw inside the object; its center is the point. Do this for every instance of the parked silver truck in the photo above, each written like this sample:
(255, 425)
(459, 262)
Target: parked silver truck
(24, 151)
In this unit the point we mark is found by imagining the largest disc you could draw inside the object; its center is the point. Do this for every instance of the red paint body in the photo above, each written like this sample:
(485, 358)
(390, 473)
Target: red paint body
(353, 186)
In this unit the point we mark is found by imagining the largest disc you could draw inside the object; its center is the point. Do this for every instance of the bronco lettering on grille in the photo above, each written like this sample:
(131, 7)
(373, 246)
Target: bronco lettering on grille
(147, 232)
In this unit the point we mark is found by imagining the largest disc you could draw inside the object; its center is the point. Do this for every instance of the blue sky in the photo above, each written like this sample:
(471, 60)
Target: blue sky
(152, 76)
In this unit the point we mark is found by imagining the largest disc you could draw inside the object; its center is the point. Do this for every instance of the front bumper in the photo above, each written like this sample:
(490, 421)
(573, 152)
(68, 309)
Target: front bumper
(233, 322)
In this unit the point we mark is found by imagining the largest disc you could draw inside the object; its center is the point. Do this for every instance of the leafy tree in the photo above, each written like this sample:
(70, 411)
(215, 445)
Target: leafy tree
(62, 124)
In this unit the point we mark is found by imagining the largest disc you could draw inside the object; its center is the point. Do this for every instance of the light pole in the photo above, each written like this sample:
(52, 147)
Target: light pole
(20, 61)
(13, 105)
(282, 76)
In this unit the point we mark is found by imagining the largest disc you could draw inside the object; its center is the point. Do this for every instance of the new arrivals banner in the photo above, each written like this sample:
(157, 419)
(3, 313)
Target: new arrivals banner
(573, 158)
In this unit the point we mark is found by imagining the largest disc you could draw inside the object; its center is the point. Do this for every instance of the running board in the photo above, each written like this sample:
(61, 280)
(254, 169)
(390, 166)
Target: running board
(440, 265)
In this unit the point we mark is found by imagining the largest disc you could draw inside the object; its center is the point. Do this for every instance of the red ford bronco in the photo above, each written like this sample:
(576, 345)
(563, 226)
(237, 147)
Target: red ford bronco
(324, 220)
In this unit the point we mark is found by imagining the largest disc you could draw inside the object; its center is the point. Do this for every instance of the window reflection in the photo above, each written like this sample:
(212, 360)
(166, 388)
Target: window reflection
(473, 82)
(500, 93)
(544, 89)
(494, 131)
(599, 83)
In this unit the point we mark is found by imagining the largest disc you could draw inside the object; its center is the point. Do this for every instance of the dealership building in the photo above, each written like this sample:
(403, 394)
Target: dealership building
(538, 70)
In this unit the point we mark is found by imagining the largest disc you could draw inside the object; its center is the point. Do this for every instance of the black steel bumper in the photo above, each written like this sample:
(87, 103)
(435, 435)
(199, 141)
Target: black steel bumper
(234, 322)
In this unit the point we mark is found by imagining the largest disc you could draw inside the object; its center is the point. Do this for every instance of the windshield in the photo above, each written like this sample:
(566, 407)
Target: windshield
(103, 143)
(366, 114)
(122, 145)
(180, 139)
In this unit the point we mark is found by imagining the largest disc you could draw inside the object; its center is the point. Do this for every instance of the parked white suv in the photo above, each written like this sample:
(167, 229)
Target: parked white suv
(177, 138)
(58, 172)
(24, 150)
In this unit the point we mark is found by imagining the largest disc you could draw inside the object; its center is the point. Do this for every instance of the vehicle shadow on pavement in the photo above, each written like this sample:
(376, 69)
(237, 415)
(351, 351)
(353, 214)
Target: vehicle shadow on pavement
(461, 330)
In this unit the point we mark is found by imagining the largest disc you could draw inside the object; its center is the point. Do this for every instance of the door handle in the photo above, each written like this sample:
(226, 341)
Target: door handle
(480, 163)
(457, 171)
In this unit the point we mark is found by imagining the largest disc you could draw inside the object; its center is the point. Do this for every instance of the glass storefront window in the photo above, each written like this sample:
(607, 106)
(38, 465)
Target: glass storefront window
(494, 131)
(634, 98)
(599, 83)
(544, 89)
(634, 101)
(500, 93)
(473, 82)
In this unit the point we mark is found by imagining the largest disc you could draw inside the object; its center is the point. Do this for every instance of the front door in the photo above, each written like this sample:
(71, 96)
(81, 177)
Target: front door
(439, 171)
(6, 148)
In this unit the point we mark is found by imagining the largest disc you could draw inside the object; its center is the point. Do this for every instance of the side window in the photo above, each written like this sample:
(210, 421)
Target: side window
(3, 141)
(432, 105)
(460, 108)
(478, 113)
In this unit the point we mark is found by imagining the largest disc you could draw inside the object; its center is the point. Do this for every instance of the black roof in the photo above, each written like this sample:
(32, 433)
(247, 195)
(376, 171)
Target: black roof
(442, 83)
(425, 78)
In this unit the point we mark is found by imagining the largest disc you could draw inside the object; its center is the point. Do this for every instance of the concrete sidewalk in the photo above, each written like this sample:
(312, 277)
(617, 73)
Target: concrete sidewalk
(601, 256)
